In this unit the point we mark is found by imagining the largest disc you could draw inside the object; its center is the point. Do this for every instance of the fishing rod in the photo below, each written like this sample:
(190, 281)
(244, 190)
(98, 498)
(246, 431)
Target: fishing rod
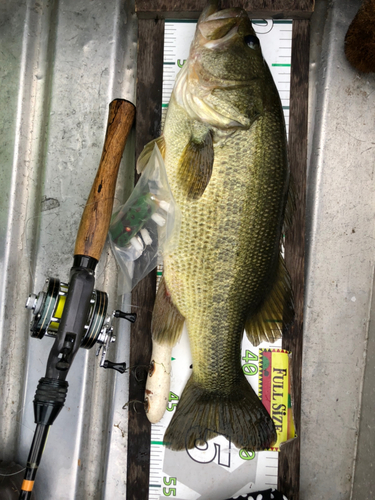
(75, 314)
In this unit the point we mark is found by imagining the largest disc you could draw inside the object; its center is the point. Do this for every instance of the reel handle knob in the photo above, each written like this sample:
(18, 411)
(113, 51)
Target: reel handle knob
(120, 367)
(129, 316)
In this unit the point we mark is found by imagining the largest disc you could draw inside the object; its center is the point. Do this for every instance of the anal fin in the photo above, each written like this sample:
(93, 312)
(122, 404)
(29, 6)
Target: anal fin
(167, 321)
(275, 313)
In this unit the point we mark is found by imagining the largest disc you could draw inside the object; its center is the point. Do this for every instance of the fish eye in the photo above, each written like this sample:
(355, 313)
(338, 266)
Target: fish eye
(252, 41)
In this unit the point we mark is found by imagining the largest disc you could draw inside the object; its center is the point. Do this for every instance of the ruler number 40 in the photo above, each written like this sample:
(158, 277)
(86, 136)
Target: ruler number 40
(250, 367)
(167, 492)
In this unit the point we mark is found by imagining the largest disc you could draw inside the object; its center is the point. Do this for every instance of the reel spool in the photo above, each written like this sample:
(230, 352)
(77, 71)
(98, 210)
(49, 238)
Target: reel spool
(48, 307)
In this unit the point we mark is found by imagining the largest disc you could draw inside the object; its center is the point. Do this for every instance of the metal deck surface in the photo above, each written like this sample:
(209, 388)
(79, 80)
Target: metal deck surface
(61, 63)
(340, 266)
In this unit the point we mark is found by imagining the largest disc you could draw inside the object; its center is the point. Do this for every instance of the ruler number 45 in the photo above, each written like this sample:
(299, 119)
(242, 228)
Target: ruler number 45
(172, 401)
(167, 492)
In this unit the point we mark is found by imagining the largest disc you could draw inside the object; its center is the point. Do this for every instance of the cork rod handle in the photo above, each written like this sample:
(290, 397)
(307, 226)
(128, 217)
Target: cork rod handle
(96, 216)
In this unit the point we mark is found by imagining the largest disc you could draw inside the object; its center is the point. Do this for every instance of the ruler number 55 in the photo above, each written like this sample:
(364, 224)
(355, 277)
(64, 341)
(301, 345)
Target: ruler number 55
(167, 492)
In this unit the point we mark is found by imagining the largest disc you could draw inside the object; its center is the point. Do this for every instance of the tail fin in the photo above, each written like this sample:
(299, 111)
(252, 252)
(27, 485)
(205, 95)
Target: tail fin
(201, 415)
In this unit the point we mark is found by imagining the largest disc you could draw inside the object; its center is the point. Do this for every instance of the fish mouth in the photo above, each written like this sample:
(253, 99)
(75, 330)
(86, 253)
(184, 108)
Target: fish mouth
(217, 30)
(219, 27)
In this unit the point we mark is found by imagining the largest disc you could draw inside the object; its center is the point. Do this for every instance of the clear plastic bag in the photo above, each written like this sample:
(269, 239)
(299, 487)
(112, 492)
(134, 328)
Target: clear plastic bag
(141, 229)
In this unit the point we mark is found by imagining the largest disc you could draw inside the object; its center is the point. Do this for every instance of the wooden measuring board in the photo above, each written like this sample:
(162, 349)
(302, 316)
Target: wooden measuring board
(151, 16)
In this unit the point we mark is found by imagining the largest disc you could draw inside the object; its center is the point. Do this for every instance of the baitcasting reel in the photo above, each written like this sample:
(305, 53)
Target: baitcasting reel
(48, 308)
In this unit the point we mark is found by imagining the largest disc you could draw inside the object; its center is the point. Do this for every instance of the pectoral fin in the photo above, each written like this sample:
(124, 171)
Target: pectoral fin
(276, 312)
(195, 168)
(167, 321)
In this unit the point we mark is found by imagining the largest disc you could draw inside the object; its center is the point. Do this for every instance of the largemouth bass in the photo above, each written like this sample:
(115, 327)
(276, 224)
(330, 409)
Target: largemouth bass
(225, 152)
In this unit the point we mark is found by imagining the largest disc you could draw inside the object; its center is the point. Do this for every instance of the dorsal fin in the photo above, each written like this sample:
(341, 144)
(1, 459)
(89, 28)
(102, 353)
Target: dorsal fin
(276, 311)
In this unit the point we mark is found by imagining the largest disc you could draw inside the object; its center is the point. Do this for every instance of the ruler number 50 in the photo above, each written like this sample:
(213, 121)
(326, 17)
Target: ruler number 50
(167, 492)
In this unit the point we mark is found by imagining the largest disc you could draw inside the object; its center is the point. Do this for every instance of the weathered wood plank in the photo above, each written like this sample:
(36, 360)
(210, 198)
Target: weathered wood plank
(148, 120)
(190, 9)
(289, 458)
